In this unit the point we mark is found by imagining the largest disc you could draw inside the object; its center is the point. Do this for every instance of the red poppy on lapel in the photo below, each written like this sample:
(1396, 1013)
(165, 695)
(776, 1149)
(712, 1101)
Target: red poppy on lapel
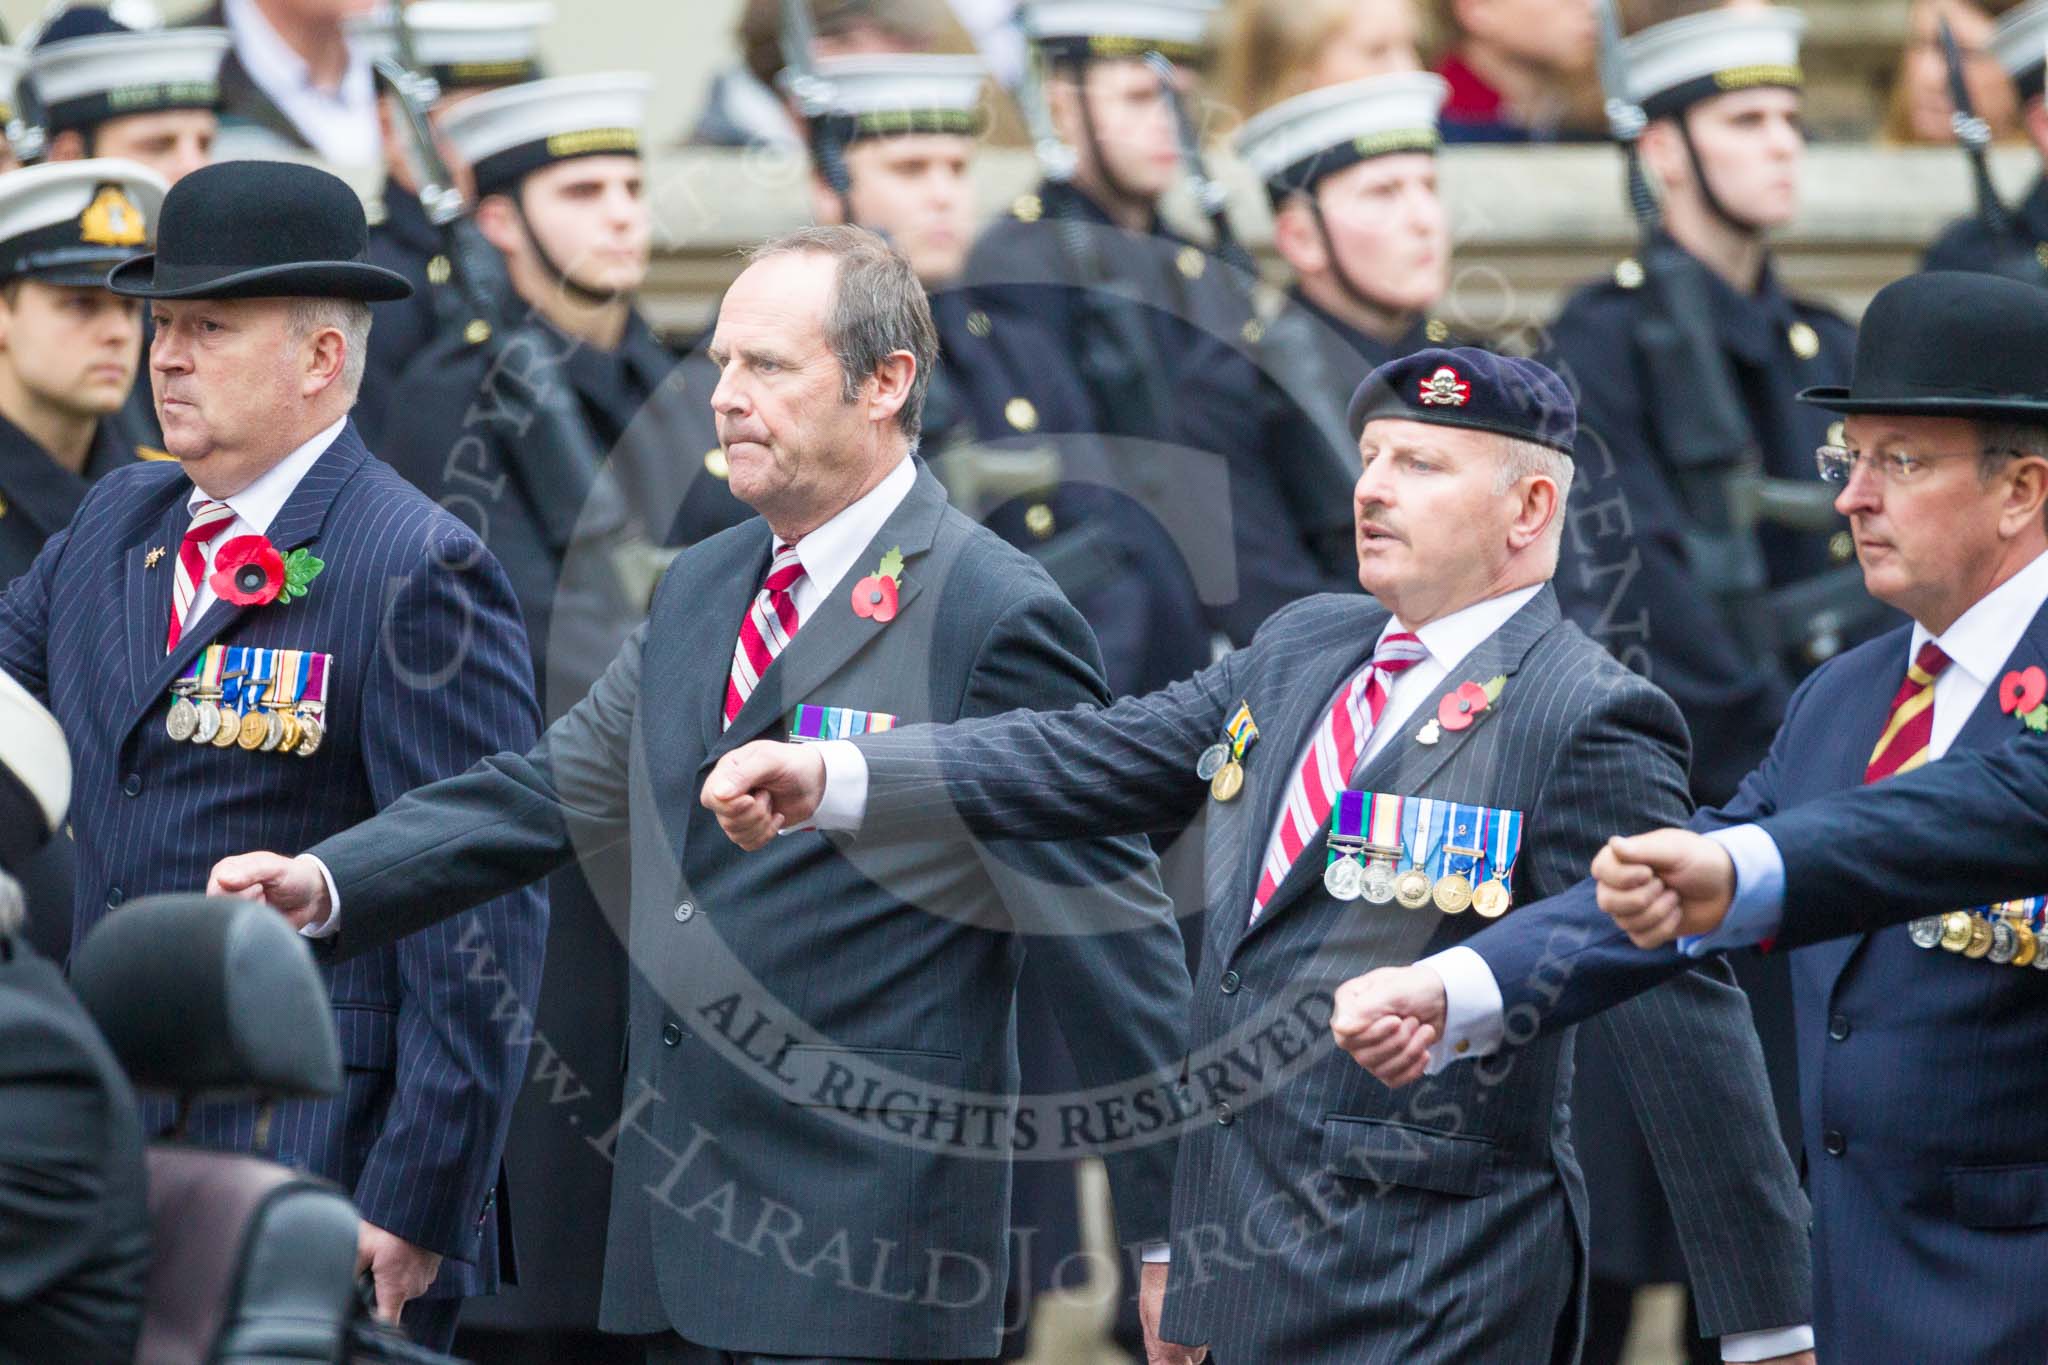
(874, 597)
(248, 572)
(2022, 693)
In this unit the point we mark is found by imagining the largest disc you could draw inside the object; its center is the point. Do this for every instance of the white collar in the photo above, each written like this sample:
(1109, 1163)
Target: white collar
(258, 504)
(828, 552)
(1983, 638)
(1450, 638)
(270, 60)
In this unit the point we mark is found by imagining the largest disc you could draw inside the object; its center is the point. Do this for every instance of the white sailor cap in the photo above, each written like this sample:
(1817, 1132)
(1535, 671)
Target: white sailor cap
(507, 134)
(70, 222)
(2020, 42)
(113, 72)
(1076, 30)
(462, 44)
(886, 94)
(1300, 140)
(1675, 65)
(35, 775)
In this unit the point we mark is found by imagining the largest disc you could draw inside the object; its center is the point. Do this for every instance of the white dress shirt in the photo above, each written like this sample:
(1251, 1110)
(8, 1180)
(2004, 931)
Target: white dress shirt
(827, 555)
(340, 123)
(255, 507)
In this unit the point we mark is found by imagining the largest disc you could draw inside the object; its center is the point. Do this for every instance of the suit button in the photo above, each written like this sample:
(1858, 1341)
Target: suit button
(114, 898)
(1838, 1027)
(685, 911)
(1225, 1115)
(1834, 1142)
(1231, 981)
(671, 1033)
(131, 785)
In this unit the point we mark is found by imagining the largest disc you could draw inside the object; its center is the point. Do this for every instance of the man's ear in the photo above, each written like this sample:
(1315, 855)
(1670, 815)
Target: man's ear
(1296, 238)
(68, 145)
(328, 359)
(1539, 510)
(826, 208)
(498, 220)
(892, 380)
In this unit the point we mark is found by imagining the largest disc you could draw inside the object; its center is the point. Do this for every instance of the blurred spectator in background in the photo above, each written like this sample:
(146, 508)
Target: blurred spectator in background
(294, 81)
(2015, 247)
(74, 1227)
(743, 108)
(1519, 70)
(1271, 50)
(1919, 110)
(108, 90)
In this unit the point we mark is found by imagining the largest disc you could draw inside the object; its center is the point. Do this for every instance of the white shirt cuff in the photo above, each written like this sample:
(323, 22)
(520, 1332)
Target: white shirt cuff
(329, 927)
(1473, 1019)
(1156, 1253)
(1758, 906)
(845, 800)
(1781, 1341)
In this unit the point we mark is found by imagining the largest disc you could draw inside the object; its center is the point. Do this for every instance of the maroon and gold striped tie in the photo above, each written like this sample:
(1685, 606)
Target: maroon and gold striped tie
(1903, 745)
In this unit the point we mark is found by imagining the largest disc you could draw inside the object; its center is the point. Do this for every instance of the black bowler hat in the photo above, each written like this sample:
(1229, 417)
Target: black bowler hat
(1949, 343)
(260, 229)
(1468, 387)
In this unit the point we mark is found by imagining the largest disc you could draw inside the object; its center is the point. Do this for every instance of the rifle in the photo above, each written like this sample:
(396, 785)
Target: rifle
(554, 458)
(1704, 436)
(27, 126)
(1210, 194)
(813, 96)
(2013, 253)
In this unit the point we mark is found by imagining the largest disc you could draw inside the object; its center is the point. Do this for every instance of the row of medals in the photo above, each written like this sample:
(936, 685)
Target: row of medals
(277, 728)
(1375, 881)
(1223, 773)
(1995, 940)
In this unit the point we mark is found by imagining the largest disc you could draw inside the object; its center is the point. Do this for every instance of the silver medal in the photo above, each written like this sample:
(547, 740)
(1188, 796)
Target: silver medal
(1377, 885)
(183, 720)
(209, 722)
(1343, 879)
(1211, 762)
(1926, 933)
(2004, 943)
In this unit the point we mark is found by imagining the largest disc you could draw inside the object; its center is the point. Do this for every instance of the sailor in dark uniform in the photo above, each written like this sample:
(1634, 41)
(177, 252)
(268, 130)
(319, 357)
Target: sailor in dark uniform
(575, 520)
(151, 97)
(1724, 149)
(1351, 171)
(467, 48)
(2017, 247)
(69, 351)
(1154, 325)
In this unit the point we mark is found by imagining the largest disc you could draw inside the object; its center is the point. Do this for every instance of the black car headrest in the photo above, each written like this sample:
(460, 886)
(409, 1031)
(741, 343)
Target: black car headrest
(212, 996)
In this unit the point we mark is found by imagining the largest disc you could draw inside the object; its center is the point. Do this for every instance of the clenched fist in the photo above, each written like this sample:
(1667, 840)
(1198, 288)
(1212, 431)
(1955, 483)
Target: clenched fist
(762, 788)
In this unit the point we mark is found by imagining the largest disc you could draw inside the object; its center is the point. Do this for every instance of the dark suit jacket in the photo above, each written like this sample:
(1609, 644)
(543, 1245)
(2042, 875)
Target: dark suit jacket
(1923, 1135)
(74, 1227)
(429, 672)
(796, 1175)
(1317, 1216)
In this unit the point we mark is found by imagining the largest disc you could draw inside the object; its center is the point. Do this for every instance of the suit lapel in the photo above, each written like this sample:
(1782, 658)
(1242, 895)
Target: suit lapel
(298, 522)
(1403, 766)
(146, 591)
(1988, 726)
(834, 635)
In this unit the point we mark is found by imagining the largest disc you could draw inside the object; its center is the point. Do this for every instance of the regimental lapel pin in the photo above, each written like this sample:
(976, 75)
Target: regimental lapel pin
(1430, 733)
(153, 558)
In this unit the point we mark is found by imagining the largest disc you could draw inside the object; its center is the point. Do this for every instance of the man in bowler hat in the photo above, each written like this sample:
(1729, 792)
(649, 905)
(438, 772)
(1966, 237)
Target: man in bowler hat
(266, 641)
(1920, 1043)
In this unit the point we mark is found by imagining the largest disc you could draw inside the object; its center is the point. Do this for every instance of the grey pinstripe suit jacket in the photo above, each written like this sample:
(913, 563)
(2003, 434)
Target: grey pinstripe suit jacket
(1319, 1217)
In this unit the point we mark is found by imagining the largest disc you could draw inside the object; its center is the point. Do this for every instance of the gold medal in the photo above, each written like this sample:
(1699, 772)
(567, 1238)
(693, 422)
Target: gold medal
(1453, 893)
(2025, 945)
(311, 732)
(1955, 930)
(1980, 938)
(230, 731)
(288, 732)
(1411, 889)
(1490, 899)
(253, 731)
(1228, 782)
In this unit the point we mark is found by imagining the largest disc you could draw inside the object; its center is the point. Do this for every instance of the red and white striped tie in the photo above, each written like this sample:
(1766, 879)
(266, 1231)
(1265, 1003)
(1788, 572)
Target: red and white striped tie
(769, 625)
(209, 520)
(1326, 768)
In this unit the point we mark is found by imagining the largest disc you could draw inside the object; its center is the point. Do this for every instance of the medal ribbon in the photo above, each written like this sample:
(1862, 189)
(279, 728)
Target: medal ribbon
(316, 683)
(1242, 730)
(1465, 828)
(211, 664)
(1347, 818)
(1385, 831)
(1503, 845)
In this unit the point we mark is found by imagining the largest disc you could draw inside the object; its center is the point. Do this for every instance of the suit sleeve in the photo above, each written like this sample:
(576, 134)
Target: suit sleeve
(1687, 1051)
(25, 621)
(1969, 830)
(1094, 916)
(450, 685)
(509, 821)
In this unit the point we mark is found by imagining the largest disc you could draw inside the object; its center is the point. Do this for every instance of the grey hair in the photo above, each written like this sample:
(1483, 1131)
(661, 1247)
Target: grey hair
(13, 908)
(350, 317)
(1521, 459)
(2001, 442)
(878, 308)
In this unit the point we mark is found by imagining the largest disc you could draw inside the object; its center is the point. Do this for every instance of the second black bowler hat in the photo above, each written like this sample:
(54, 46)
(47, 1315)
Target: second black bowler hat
(260, 229)
(1949, 343)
